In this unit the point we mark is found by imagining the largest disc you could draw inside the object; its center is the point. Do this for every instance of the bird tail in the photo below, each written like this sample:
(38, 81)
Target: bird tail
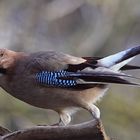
(107, 68)
(130, 67)
(120, 59)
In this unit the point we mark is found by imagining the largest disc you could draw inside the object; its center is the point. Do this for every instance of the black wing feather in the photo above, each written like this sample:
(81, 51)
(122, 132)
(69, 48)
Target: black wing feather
(99, 78)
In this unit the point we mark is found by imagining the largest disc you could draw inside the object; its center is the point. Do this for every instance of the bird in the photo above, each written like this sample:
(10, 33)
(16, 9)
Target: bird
(62, 82)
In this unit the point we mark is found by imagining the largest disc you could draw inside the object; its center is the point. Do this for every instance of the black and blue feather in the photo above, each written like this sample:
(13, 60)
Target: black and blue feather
(66, 79)
(55, 78)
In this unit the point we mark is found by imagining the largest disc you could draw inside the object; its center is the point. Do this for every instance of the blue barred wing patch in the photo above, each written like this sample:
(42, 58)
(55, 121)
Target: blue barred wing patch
(54, 78)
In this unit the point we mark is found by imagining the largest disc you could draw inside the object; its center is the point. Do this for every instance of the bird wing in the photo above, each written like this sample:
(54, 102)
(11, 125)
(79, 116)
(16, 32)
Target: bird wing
(52, 61)
(81, 79)
(65, 71)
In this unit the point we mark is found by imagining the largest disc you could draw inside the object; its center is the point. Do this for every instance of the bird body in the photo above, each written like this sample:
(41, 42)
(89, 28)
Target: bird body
(62, 82)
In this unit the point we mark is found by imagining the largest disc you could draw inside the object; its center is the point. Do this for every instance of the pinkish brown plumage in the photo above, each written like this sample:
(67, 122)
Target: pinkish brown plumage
(62, 82)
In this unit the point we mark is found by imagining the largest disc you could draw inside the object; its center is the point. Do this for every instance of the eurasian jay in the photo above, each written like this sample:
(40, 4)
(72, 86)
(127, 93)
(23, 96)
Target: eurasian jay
(62, 82)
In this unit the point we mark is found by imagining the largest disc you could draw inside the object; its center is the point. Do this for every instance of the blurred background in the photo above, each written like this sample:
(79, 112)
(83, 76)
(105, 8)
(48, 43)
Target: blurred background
(80, 28)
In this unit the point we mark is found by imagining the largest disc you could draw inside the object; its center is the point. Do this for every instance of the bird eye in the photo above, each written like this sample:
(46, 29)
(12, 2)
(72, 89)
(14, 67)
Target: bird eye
(1, 54)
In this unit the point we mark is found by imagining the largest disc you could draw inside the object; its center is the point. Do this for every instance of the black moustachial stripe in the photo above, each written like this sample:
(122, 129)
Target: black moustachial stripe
(3, 71)
(53, 78)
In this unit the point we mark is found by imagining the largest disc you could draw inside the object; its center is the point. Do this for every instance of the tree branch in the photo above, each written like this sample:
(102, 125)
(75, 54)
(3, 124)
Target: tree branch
(92, 130)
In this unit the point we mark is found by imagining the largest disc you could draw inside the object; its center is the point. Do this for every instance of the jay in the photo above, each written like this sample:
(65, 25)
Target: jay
(62, 82)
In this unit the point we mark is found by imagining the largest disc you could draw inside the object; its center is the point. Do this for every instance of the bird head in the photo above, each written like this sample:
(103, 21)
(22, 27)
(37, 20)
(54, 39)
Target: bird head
(7, 58)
